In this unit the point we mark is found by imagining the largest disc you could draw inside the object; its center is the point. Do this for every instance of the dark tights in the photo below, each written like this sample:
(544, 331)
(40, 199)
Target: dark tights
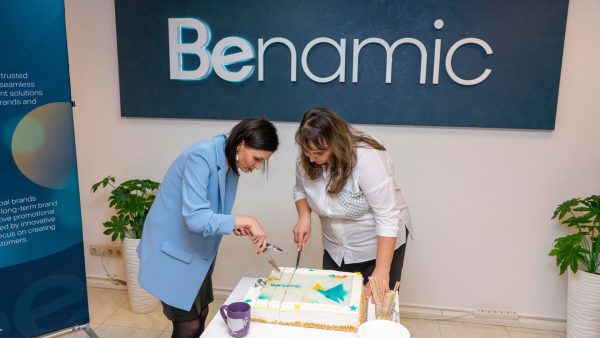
(190, 328)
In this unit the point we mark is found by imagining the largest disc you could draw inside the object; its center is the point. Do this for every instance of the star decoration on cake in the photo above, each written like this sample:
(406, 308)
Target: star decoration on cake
(353, 308)
(335, 293)
(248, 300)
(296, 306)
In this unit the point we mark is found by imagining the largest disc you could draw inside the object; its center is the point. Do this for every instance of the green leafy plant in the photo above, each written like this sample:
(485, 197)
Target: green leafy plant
(131, 200)
(582, 247)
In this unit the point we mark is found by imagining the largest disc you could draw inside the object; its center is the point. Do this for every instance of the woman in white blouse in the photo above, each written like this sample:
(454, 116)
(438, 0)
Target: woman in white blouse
(347, 178)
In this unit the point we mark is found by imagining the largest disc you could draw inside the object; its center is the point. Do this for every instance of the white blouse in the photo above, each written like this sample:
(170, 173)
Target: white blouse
(369, 205)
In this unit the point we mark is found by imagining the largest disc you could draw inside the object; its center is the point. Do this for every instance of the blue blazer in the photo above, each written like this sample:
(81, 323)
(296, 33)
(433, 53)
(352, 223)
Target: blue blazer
(184, 226)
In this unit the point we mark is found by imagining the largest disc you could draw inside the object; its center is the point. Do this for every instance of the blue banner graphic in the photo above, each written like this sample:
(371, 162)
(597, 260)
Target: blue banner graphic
(466, 63)
(42, 273)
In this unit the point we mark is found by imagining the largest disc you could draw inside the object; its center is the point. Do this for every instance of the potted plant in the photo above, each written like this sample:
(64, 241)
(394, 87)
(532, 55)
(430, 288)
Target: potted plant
(580, 253)
(131, 201)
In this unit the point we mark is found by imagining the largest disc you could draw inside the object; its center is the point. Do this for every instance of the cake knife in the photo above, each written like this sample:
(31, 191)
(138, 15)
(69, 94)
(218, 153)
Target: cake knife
(273, 264)
(271, 246)
(298, 258)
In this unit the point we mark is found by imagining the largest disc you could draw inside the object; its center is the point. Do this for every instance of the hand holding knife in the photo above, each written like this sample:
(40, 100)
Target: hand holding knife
(298, 257)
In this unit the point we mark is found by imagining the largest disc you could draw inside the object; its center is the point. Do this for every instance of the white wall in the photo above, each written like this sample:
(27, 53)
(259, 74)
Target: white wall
(481, 199)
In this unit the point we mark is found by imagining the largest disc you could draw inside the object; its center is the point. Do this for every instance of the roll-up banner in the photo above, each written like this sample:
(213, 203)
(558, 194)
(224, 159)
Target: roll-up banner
(42, 272)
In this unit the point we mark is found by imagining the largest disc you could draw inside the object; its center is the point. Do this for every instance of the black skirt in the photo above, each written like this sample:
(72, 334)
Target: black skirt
(203, 298)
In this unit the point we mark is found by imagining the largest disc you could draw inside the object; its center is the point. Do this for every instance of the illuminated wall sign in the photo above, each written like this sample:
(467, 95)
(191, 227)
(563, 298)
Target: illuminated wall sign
(417, 62)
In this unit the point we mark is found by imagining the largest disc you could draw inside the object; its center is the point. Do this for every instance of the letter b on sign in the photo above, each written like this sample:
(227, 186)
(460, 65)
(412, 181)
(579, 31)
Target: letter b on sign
(220, 57)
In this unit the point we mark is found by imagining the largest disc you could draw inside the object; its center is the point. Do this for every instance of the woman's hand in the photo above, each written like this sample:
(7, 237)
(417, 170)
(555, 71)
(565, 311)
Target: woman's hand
(382, 278)
(240, 232)
(249, 226)
(301, 232)
(302, 229)
(383, 262)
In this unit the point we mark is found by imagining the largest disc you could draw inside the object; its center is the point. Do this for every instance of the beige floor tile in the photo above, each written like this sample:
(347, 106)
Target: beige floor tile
(467, 330)
(103, 303)
(421, 328)
(519, 332)
(165, 334)
(154, 320)
(169, 329)
(531, 335)
(213, 310)
(111, 331)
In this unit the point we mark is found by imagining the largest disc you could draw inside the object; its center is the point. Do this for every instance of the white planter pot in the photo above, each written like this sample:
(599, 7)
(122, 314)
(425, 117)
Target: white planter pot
(140, 300)
(583, 305)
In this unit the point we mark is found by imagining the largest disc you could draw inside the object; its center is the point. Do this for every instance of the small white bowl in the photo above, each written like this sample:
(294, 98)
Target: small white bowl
(382, 329)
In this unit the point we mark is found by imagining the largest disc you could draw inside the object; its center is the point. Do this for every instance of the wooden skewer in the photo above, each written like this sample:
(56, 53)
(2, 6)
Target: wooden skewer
(377, 296)
(381, 294)
(373, 292)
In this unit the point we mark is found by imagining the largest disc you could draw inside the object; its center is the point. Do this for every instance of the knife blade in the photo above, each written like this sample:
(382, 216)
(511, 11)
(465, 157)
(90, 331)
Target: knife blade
(273, 264)
(271, 246)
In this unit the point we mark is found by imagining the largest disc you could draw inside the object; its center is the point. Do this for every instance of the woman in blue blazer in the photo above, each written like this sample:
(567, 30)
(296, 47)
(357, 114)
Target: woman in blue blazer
(190, 214)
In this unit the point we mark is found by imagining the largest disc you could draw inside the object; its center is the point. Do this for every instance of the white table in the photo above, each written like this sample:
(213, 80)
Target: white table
(217, 327)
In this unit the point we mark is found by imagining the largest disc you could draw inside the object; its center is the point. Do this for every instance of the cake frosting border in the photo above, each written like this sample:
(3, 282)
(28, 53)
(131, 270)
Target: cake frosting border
(361, 313)
(348, 328)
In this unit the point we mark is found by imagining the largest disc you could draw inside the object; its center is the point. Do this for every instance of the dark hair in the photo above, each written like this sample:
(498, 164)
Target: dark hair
(323, 128)
(256, 133)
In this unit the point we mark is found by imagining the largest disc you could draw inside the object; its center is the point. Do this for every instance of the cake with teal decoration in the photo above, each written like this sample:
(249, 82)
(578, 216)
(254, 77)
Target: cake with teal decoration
(323, 299)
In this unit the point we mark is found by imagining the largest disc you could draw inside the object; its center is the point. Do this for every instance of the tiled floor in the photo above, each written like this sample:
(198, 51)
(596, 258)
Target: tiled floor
(111, 318)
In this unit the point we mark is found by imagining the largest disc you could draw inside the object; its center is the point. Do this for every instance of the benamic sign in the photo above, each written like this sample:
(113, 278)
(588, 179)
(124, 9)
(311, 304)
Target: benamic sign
(233, 50)
(460, 63)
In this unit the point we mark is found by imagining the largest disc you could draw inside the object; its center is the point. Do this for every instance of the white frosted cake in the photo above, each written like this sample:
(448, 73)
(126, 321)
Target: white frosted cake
(324, 299)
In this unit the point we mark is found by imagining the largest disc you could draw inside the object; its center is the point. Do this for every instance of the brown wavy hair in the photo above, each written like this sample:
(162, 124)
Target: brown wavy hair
(323, 129)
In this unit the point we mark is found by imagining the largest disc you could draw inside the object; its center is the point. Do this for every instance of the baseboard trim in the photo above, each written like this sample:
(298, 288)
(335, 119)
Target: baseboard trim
(415, 311)
(221, 293)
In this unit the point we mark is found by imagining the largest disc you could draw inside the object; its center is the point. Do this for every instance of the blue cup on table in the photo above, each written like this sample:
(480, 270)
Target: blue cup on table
(237, 317)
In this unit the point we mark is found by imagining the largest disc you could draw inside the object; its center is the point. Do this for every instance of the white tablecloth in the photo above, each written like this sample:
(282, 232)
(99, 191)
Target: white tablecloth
(217, 327)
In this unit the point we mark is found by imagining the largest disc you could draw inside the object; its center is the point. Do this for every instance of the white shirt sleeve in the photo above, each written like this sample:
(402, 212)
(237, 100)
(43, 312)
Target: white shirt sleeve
(375, 175)
(299, 191)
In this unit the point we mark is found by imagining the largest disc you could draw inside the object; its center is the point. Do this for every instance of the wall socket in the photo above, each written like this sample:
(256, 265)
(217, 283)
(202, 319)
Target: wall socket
(495, 314)
(105, 250)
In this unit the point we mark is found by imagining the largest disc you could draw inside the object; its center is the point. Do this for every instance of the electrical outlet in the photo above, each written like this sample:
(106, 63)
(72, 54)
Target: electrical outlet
(495, 314)
(105, 250)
